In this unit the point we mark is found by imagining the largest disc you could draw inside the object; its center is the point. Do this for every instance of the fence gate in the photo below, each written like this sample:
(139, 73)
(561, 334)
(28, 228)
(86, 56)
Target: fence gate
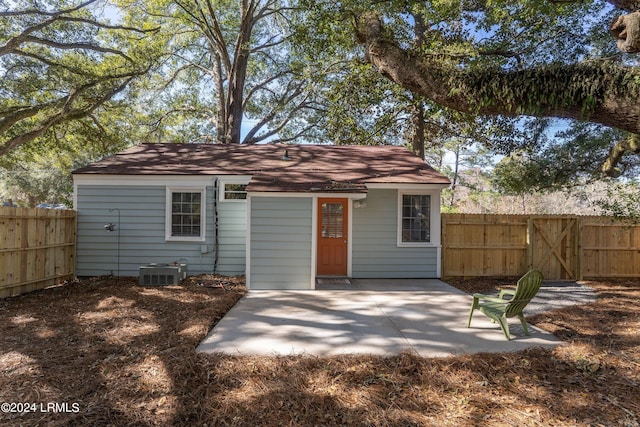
(553, 247)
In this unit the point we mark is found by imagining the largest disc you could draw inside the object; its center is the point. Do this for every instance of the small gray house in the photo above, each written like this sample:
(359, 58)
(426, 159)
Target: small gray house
(284, 215)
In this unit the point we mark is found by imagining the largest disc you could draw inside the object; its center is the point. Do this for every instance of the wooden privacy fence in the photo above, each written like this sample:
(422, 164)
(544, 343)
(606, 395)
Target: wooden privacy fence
(37, 248)
(562, 247)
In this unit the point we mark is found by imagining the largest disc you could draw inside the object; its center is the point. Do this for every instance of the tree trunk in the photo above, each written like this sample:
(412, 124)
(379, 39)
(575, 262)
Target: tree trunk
(417, 128)
(454, 179)
(238, 74)
(221, 106)
(417, 109)
(235, 98)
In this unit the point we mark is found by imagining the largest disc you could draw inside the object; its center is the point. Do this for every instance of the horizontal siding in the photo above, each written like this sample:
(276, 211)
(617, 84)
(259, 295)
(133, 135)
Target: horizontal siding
(280, 242)
(301, 245)
(232, 237)
(374, 242)
(281, 232)
(142, 231)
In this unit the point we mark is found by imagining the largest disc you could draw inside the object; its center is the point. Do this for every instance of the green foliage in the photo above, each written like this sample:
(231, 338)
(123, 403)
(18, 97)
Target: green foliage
(517, 174)
(551, 159)
(218, 57)
(40, 171)
(31, 175)
(67, 75)
(621, 201)
(164, 71)
(365, 109)
(35, 183)
(61, 62)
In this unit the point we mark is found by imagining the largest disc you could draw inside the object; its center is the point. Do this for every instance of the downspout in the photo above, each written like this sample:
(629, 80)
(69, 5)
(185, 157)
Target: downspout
(216, 227)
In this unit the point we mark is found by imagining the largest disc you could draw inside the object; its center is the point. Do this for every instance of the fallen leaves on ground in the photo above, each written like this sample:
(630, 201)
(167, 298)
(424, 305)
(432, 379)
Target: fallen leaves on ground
(126, 355)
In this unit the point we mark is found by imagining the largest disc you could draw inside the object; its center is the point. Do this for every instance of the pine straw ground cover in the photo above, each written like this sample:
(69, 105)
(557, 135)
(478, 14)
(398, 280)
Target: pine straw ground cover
(125, 356)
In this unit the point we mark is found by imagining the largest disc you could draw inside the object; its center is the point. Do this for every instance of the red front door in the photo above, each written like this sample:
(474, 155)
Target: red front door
(332, 237)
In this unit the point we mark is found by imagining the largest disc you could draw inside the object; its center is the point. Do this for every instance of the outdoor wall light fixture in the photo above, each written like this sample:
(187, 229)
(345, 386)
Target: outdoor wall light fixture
(110, 227)
(286, 155)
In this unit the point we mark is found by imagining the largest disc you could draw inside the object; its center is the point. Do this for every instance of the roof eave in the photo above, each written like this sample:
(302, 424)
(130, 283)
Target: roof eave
(408, 185)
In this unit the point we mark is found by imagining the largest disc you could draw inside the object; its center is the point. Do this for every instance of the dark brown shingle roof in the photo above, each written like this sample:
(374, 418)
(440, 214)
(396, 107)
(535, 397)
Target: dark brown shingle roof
(310, 168)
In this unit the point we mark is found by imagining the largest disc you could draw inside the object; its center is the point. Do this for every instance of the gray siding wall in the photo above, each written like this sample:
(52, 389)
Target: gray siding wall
(280, 241)
(281, 233)
(375, 250)
(232, 237)
(142, 233)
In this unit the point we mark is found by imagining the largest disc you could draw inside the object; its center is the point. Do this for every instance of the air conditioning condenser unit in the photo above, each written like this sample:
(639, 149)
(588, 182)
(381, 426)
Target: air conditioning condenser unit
(162, 274)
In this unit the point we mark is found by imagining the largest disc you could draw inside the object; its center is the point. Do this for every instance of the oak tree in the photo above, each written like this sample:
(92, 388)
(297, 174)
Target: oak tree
(539, 58)
(60, 62)
(226, 62)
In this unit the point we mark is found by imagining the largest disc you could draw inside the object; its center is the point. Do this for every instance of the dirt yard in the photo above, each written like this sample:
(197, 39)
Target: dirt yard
(102, 353)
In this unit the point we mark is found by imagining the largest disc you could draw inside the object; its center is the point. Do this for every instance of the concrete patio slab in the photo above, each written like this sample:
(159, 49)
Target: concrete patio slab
(381, 317)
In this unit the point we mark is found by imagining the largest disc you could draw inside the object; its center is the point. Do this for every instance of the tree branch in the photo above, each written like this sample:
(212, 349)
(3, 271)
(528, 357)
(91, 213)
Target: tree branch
(98, 24)
(14, 115)
(262, 85)
(597, 92)
(626, 30)
(218, 37)
(25, 36)
(67, 111)
(51, 63)
(250, 137)
(70, 46)
(269, 44)
(629, 144)
(293, 137)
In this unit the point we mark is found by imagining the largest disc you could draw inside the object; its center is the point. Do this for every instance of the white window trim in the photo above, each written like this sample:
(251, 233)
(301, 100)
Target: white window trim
(231, 180)
(434, 219)
(203, 214)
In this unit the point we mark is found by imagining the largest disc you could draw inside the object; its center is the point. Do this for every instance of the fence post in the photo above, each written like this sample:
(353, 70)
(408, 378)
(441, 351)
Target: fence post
(443, 242)
(579, 274)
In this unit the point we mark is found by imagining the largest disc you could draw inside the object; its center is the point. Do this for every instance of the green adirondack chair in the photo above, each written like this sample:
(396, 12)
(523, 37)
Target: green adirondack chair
(499, 309)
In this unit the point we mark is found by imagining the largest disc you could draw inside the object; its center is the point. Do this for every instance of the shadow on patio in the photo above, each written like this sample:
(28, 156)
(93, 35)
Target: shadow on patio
(382, 317)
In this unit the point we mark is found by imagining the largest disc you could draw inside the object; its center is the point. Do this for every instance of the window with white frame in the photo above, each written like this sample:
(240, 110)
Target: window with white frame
(415, 218)
(185, 214)
(234, 189)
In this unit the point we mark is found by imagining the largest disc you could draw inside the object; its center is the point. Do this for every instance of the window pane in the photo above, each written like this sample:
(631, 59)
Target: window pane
(235, 191)
(416, 210)
(332, 220)
(185, 214)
